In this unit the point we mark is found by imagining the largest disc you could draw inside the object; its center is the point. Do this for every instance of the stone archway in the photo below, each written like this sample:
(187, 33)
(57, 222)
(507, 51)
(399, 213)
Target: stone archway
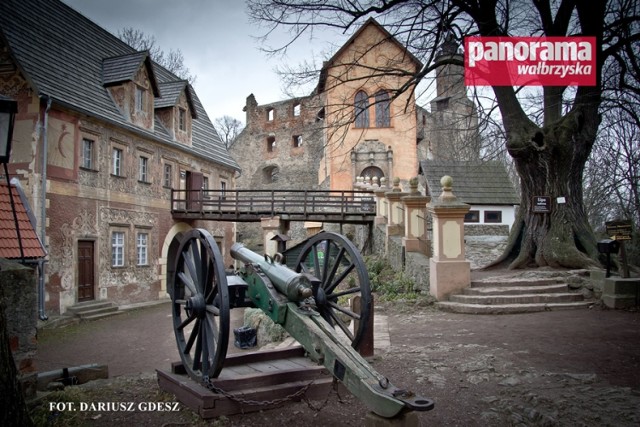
(167, 257)
(371, 172)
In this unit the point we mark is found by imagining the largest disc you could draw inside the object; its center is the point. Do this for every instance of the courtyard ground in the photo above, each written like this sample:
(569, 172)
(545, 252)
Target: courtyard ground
(577, 367)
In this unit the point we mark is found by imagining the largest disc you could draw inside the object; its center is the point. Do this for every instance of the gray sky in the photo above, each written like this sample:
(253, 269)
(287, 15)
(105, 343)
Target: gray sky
(215, 37)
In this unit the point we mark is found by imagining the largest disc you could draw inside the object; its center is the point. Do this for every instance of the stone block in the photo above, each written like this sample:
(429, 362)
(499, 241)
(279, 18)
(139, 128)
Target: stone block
(621, 293)
(448, 277)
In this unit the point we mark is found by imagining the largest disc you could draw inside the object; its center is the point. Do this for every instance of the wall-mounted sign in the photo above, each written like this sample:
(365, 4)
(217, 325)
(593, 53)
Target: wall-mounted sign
(619, 230)
(541, 204)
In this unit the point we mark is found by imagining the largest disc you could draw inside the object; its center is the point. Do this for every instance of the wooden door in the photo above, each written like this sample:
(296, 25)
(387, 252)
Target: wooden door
(85, 271)
(194, 190)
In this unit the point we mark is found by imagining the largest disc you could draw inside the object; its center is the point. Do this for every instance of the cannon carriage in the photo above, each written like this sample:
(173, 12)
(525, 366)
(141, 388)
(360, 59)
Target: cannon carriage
(322, 299)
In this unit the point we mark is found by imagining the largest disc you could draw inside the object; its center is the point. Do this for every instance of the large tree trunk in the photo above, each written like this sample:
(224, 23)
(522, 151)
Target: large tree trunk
(550, 162)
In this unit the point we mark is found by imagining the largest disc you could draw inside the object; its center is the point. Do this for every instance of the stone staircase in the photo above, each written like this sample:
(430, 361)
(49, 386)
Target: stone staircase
(93, 310)
(512, 295)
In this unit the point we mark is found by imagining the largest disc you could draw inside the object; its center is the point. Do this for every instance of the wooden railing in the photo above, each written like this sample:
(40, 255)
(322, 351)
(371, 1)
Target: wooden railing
(294, 205)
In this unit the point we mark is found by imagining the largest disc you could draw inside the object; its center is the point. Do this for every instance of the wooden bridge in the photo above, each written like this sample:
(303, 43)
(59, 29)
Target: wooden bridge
(355, 207)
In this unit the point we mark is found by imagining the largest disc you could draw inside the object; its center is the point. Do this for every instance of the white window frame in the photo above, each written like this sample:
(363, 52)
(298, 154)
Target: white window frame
(117, 248)
(143, 169)
(87, 158)
(140, 91)
(167, 175)
(116, 161)
(142, 249)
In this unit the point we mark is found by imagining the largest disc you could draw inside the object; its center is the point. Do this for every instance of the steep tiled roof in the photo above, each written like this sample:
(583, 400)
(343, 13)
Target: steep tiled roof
(9, 244)
(124, 68)
(62, 54)
(476, 183)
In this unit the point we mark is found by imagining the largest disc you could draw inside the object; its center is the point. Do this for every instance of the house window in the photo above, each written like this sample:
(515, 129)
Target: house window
(139, 98)
(117, 249)
(168, 175)
(141, 248)
(492, 217)
(182, 115)
(116, 162)
(383, 113)
(472, 216)
(223, 189)
(297, 141)
(87, 153)
(143, 170)
(271, 144)
(361, 104)
(296, 110)
(270, 114)
(271, 174)
(205, 187)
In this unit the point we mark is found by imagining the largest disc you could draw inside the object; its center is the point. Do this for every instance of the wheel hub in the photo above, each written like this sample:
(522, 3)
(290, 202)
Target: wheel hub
(196, 306)
(321, 297)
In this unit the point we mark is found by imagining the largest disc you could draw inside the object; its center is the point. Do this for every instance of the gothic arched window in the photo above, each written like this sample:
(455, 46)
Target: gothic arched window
(361, 104)
(383, 112)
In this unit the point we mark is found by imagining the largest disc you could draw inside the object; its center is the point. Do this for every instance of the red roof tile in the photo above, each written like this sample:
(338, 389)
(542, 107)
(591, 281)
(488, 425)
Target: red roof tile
(9, 245)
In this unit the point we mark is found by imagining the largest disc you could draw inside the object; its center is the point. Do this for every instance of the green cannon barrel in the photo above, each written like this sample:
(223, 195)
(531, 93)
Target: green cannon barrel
(296, 286)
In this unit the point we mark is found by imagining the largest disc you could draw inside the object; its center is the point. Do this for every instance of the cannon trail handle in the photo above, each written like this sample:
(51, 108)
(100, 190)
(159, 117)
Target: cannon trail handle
(324, 346)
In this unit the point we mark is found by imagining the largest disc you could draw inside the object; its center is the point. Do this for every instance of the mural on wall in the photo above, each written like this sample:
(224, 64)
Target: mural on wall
(62, 261)
(61, 136)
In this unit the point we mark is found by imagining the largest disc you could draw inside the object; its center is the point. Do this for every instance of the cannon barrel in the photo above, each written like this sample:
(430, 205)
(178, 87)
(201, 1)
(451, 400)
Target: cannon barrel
(296, 286)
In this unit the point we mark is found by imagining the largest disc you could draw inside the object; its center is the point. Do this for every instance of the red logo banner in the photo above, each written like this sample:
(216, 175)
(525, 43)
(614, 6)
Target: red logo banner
(530, 61)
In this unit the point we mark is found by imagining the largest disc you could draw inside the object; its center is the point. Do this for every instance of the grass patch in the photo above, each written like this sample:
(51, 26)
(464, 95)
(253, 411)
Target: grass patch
(390, 285)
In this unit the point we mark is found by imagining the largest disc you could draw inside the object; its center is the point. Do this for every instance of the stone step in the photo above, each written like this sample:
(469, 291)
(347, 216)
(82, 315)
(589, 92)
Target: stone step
(82, 307)
(502, 283)
(518, 290)
(517, 299)
(457, 307)
(94, 310)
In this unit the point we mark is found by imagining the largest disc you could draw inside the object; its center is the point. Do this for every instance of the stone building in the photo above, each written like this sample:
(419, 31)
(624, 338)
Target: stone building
(102, 135)
(353, 124)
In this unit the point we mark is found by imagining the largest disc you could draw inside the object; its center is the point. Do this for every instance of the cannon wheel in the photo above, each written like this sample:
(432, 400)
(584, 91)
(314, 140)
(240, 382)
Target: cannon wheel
(200, 305)
(338, 265)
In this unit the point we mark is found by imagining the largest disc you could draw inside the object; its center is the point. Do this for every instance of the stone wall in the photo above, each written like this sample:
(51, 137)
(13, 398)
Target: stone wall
(18, 298)
(486, 230)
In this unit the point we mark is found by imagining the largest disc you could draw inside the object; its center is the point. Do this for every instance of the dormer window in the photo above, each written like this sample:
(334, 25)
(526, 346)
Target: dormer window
(182, 119)
(140, 98)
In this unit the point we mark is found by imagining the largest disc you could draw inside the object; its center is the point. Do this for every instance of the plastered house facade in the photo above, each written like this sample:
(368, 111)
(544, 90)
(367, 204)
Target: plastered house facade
(101, 137)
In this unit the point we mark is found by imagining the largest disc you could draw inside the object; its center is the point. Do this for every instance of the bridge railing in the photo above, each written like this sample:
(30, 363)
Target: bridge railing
(272, 202)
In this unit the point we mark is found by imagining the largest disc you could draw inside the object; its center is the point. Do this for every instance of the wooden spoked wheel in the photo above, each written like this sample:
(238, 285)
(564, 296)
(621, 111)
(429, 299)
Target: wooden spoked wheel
(342, 279)
(200, 305)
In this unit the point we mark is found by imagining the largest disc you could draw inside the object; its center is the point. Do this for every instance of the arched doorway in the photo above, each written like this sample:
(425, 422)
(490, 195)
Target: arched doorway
(169, 250)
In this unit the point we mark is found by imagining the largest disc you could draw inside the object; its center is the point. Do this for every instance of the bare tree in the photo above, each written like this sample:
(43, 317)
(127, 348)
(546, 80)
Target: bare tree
(172, 61)
(228, 129)
(549, 132)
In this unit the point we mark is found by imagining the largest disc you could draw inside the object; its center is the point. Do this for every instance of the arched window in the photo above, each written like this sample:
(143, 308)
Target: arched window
(383, 113)
(361, 104)
(372, 171)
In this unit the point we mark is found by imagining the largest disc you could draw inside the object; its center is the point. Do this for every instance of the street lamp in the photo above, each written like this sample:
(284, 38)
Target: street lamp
(8, 110)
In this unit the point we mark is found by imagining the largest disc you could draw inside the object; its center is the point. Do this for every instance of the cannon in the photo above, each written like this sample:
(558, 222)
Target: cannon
(312, 298)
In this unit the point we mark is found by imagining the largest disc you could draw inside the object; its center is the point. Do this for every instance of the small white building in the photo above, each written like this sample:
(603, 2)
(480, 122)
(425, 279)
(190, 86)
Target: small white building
(483, 185)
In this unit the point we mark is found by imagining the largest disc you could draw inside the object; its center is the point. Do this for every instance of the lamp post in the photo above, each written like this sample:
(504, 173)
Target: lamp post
(8, 110)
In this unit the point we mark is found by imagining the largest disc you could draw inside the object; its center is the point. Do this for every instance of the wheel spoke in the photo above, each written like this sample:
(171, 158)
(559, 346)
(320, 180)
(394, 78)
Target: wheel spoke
(344, 310)
(329, 278)
(325, 266)
(185, 323)
(316, 263)
(341, 277)
(213, 310)
(341, 324)
(187, 282)
(197, 354)
(191, 268)
(197, 263)
(337, 295)
(192, 337)
(205, 342)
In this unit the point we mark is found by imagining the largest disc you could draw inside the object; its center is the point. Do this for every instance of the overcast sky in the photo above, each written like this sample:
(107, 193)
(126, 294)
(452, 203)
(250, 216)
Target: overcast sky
(217, 42)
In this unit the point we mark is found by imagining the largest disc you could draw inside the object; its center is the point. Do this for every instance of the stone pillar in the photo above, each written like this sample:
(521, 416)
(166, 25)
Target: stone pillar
(381, 206)
(415, 233)
(270, 228)
(449, 271)
(395, 218)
